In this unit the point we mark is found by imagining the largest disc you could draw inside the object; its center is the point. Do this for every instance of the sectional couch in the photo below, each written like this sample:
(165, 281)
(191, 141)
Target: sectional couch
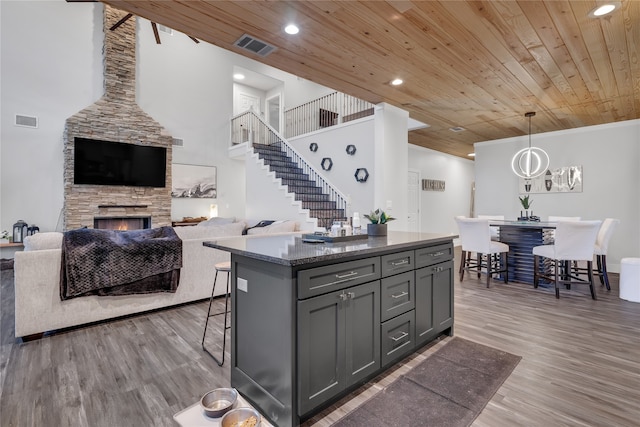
(38, 307)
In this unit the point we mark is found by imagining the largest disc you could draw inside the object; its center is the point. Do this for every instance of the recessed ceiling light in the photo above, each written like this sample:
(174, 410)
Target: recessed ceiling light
(604, 9)
(238, 76)
(291, 29)
(471, 154)
(396, 82)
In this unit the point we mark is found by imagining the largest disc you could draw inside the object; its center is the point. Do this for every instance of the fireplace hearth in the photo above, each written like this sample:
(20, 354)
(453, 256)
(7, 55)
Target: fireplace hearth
(122, 223)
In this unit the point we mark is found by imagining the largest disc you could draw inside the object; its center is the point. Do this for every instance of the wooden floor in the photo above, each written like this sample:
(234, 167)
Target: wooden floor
(580, 362)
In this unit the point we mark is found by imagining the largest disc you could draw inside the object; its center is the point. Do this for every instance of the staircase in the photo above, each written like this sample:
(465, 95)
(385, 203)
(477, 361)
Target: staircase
(306, 190)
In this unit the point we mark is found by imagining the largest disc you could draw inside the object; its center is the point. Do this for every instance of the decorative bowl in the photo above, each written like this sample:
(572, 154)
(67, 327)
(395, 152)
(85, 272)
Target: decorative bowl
(218, 402)
(239, 417)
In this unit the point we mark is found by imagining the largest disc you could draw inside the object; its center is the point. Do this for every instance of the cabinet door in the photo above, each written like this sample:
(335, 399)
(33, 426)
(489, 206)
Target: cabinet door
(321, 349)
(362, 325)
(434, 300)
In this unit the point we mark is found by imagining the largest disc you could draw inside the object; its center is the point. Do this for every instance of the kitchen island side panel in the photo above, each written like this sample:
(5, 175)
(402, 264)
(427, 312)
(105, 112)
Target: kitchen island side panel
(263, 337)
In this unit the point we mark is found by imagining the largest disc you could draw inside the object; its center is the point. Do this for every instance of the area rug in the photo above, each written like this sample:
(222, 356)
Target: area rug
(449, 389)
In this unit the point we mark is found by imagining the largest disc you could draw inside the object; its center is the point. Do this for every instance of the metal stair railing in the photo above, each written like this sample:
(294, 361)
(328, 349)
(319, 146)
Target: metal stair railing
(326, 111)
(251, 128)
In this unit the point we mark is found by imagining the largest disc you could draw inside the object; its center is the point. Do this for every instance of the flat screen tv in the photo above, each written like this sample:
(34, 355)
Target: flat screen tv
(115, 163)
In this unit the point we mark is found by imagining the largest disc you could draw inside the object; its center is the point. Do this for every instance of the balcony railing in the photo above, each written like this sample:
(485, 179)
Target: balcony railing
(329, 110)
(250, 128)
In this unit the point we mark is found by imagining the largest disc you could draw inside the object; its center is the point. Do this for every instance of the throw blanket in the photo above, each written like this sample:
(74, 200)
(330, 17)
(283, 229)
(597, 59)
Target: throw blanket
(110, 262)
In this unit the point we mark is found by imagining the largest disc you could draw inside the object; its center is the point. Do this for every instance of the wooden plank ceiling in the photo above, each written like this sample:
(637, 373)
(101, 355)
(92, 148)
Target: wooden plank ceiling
(479, 65)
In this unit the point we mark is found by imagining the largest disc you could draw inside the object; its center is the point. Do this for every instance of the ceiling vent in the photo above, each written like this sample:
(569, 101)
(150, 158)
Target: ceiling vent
(26, 121)
(178, 142)
(252, 44)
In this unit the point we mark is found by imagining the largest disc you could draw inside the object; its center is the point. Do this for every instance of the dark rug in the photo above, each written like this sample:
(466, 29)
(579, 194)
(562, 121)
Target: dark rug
(449, 389)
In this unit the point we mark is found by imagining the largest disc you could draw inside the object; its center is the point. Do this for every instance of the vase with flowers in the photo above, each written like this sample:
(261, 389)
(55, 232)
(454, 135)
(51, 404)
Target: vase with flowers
(379, 220)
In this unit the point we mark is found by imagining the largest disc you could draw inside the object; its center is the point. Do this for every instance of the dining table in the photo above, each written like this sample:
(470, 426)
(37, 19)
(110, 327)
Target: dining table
(522, 237)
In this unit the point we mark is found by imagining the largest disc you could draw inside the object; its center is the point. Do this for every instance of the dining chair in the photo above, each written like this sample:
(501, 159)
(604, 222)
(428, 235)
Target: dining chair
(495, 231)
(475, 236)
(574, 241)
(549, 234)
(607, 228)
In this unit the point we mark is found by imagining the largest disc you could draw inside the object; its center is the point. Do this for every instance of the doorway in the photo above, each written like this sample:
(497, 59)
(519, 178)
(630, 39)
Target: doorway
(273, 112)
(413, 201)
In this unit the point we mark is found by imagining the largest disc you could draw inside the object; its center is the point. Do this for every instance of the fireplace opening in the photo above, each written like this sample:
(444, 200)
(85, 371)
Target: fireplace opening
(122, 223)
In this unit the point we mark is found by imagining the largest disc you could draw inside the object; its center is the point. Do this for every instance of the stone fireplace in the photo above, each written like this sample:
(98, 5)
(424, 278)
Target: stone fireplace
(115, 117)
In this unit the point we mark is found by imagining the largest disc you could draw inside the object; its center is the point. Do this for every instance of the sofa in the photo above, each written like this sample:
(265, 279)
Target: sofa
(38, 307)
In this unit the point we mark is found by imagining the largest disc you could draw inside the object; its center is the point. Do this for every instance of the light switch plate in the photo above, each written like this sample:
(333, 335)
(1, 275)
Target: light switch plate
(243, 285)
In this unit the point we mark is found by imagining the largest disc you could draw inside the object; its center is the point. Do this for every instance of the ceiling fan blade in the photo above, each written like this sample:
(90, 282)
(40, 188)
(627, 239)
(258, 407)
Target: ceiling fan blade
(122, 21)
(155, 32)
(194, 39)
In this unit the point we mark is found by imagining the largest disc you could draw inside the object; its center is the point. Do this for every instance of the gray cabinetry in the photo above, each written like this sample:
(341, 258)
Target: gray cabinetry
(338, 342)
(434, 301)
(312, 322)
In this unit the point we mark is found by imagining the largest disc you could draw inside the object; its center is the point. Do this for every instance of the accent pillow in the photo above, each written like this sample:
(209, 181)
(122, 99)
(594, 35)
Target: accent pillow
(41, 241)
(216, 220)
(210, 232)
(276, 227)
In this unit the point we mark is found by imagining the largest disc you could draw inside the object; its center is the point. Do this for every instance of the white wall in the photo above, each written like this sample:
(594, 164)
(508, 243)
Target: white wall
(332, 143)
(391, 163)
(438, 208)
(610, 159)
(51, 68)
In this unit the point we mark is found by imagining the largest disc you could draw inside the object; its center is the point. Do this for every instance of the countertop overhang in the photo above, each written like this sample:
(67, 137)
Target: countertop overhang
(290, 250)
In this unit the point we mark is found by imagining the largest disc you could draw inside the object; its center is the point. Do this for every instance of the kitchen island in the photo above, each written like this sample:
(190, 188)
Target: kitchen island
(313, 321)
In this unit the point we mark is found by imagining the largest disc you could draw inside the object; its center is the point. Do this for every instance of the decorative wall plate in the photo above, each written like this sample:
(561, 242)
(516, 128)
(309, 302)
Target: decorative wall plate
(326, 164)
(313, 147)
(362, 175)
(351, 149)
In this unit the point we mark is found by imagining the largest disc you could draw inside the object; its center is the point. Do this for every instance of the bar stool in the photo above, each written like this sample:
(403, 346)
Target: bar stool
(495, 231)
(475, 236)
(224, 267)
(574, 241)
(602, 246)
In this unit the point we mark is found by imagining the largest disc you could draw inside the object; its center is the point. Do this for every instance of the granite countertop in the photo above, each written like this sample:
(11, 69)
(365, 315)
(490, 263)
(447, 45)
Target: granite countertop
(290, 250)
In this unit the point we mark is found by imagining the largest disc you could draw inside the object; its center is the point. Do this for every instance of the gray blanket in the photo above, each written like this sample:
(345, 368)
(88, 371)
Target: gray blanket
(110, 262)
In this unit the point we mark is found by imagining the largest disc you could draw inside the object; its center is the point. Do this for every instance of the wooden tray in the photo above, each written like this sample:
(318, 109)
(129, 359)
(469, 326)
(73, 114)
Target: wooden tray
(335, 239)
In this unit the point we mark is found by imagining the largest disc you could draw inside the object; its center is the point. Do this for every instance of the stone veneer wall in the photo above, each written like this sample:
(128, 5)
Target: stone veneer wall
(115, 117)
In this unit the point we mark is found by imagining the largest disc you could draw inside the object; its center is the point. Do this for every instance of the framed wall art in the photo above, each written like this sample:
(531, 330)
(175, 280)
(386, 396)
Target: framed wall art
(193, 181)
(567, 179)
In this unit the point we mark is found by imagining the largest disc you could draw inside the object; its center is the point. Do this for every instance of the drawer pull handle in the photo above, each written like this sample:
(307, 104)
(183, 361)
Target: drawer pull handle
(348, 275)
(400, 295)
(437, 269)
(397, 264)
(399, 337)
(436, 254)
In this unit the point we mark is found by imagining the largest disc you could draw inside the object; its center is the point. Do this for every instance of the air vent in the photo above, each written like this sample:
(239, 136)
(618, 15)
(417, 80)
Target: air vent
(457, 129)
(178, 142)
(165, 29)
(26, 121)
(252, 44)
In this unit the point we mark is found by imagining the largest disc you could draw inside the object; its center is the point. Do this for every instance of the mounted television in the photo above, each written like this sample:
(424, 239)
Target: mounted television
(114, 163)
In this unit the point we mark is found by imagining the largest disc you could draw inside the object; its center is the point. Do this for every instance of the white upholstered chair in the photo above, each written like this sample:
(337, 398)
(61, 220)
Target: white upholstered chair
(495, 231)
(549, 234)
(574, 241)
(475, 236)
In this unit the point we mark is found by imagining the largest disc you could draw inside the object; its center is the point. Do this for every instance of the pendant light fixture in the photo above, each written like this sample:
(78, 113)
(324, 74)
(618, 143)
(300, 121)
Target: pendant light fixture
(530, 162)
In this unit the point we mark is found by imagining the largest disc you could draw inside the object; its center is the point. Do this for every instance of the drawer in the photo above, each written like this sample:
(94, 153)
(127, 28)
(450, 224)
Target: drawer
(434, 255)
(397, 337)
(320, 280)
(397, 295)
(397, 263)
